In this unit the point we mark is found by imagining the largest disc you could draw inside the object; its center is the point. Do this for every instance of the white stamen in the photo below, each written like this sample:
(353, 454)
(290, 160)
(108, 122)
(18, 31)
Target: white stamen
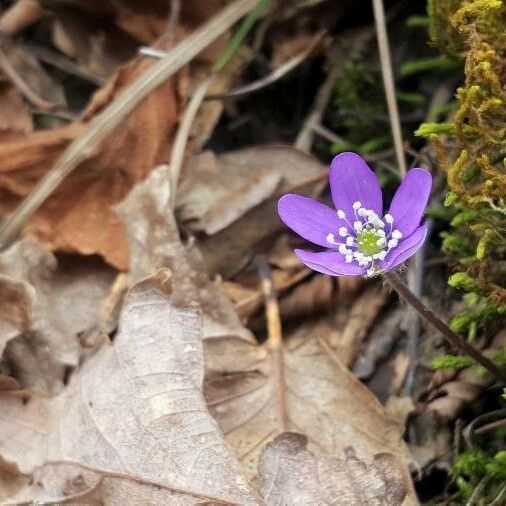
(392, 243)
(343, 232)
(343, 249)
(348, 259)
(388, 218)
(381, 242)
(382, 255)
(331, 239)
(381, 233)
(341, 214)
(357, 205)
(357, 225)
(362, 212)
(396, 234)
(350, 241)
(370, 271)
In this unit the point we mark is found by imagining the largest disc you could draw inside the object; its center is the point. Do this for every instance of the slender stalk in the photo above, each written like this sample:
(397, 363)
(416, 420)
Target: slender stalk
(456, 340)
(388, 82)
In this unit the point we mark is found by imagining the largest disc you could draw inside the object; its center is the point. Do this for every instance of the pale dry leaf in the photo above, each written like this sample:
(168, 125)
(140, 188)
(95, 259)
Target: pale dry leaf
(78, 217)
(154, 243)
(450, 391)
(16, 299)
(134, 411)
(230, 249)
(58, 300)
(14, 115)
(362, 315)
(256, 394)
(98, 48)
(214, 195)
(292, 474)
(20, 15)
(32, 73)
(380, 341)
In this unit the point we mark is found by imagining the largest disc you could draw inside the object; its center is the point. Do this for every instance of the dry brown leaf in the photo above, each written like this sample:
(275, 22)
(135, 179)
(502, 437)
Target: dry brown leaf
(78, 215)
(449, 391)
(55, 301)
(20, 15)
(134, 412)
(379, 343)
(154, 243)
(94, 42)
(214, 195)
(291, 474)
(16, 299)
(32, 73)
(230, 249)
(241, 383)
(256, 394)
(362, 315)
(14, 115)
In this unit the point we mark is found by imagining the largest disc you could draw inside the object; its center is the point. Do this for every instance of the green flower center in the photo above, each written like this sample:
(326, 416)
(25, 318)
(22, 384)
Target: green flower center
(368, 242)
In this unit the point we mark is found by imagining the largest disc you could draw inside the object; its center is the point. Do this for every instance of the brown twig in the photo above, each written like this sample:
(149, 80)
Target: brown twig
(105, 122)
(181, 139)
(274, 76)
(456, 340)
(359, 40)
(63, 63)
(388, 82)
(275, 336)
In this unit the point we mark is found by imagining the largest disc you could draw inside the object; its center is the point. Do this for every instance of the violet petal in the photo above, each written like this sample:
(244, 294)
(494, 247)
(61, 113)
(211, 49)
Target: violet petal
(351, 180)
(406, 248)
(410, 200)
(310, 219)
(329, 262)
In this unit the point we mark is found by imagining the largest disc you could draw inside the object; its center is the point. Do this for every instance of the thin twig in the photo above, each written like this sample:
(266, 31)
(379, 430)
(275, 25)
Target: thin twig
(118, 110)
(456, 340)
(175, 12)
(63, 63)
(388, 82)
(14, 77)
(499, 499)
(478, 491)
(327, 134)
(275, 336)
(358, 41)
(181, 139)
(274, 76)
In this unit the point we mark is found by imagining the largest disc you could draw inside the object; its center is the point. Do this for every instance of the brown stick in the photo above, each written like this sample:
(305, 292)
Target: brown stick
(456, 340)
(275, 338)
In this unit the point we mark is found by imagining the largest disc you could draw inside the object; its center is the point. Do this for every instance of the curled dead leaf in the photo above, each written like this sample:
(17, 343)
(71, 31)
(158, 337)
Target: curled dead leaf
(450, 391)
(256, 394)
(163, 436)
(254, 173)
(47, 304)
(291, 474)
(78, 216)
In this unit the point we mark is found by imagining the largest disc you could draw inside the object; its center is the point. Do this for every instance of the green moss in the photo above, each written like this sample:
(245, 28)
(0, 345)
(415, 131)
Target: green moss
(471, 148)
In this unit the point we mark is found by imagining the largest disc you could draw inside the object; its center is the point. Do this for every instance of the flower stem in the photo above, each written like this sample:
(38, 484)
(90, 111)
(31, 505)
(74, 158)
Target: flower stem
(456, 340)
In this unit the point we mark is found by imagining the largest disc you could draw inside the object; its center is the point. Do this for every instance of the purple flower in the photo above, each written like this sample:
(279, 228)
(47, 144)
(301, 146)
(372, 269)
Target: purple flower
(358, 238)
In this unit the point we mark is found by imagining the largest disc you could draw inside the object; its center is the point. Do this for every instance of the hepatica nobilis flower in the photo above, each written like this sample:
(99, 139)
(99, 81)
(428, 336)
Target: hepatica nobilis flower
(359, 240)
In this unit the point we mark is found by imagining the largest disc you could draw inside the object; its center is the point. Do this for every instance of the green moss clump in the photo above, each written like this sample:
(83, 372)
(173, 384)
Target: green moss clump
(471, 148)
